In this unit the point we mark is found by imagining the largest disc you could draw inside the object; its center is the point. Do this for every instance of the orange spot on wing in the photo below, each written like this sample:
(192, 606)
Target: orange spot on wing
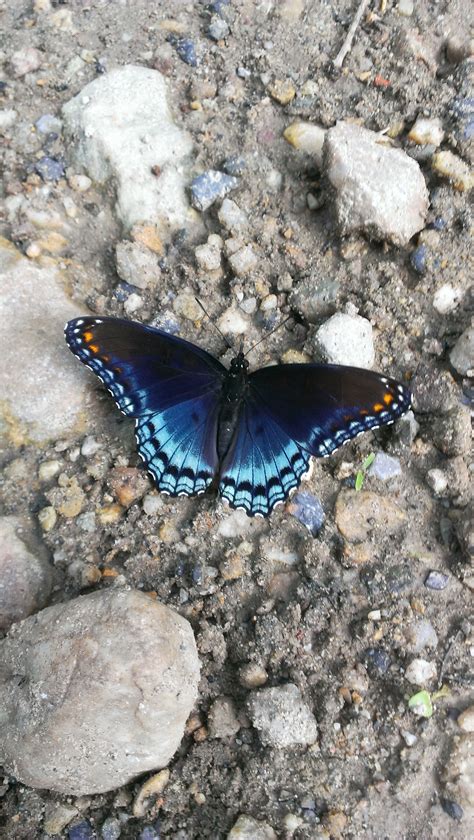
(378, 407)
(364, 412)
(388, 398)
(87, 336)
(94, 348)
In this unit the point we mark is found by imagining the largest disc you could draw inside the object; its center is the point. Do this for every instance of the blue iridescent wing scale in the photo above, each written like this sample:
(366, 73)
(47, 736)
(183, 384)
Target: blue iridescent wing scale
(293, 412)
(172, 389)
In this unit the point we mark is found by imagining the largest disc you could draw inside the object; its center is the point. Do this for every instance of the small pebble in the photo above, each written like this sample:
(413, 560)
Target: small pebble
(152, 504)
(218, 28)
(49, 124)
(57, 816)
(111, 829)
(450, 166)
(308, 510)
(149, 792)
(345, 340)
(421, 635)
(409, 738)
(50, 169)
(209, 255)
(133, 303)
(246, 828)
(90, 446)
(81, 831)
(128, 484)
(427, 132)
(7, 119)
(462, 354)
(377, 660)
(48, 469)
(208, 187)
(25, 61)
(307, 137)
(452, 809)
(420, 672)
(465, 720)
(418, 259)
(79, 183)
(458, 49)
(436, 580)
(385, 467)
(282, 91)
(446, 299)
(405, 8)
(232, 217)
(222, 718)
(47, 518)
(438, 481)
(244, 261)
(186, 50)
(282, 717)
(234, 165)
(137, 264)
(252, 675)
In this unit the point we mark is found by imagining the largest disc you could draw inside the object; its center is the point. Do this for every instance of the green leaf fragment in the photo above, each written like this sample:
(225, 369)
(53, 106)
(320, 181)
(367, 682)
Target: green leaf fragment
(359, 480)
(420, 703)
(368, 461)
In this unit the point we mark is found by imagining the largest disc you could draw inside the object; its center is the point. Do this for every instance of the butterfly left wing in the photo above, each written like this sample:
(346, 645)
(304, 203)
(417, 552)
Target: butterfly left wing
(171, 388)
(293, 412)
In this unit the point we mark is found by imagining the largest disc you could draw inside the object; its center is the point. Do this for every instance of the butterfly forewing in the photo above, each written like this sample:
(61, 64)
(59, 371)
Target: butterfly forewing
(171, 388)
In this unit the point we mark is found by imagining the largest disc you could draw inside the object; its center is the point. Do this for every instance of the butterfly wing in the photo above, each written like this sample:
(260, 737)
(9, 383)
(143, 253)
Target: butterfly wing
(172, 389)
(293, 412)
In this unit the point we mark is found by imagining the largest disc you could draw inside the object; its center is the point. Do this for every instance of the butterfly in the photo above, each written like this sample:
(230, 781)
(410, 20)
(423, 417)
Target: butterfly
(198, 423)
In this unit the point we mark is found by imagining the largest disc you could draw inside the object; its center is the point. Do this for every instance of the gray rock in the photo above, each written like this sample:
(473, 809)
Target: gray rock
(458, 772)
(420, 635)
(434, 391)
(25, 61)
(232, 217)
(218, 28)
(345, 340)
(25, 573)
(95, 691)
(379, 190)
(246, 828)
(120, 127)
(282, 717)
(451, 433)
(211, 185)
(385, 467)
(222, 718)
(137, 265)
(244, 261)
(420, 672)
(43, 389)
(49, 124)
(315, 298)
(208, 256)
(462, 354)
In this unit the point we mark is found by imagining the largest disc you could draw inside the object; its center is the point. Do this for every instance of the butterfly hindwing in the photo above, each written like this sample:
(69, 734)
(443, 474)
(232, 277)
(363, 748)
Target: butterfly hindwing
(168, 385)
(293, 412)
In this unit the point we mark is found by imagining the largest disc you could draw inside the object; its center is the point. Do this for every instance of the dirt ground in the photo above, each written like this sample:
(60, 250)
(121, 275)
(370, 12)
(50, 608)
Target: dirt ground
(306, 624)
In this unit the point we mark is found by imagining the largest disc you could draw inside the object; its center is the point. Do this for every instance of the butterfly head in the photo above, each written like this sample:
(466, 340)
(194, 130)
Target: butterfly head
(239, 363)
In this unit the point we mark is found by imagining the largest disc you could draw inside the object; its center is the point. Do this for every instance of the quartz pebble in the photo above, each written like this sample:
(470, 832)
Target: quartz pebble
(427, 132)
(231, 217)
(436, 580)
(345, 340)
(137, 265)
(282, 717)
(465, 720)
(208, 187)
(124, 149)
(308, 510)
(244, 261)
(57, 816)
(421, 635)
(420, 672)
(462, 354)
(25, 61)
(437, 480)
(231, 321)
(446, 299)
(385, 467)
(25, 573)
(208, 256)
(79, 183)
(450, 166)
(247, 828)
(379, 190)
(218, 28)
(131, 668)
(307, 137)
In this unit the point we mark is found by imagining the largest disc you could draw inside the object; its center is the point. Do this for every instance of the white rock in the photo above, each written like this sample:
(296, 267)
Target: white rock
(446, 299)
(282, 717)
(109, 681)
(7, 119)
(465, 720)
(222, 718)
(231, 321)
(232, 217)
(133, 303)
(308, 138)
(79, 183)
(43, 388)
(25, 61)
(345, 340)
(450, 166)
(379, 190)
(462, 354)
(243, 261)
(246, 828)
(427, 132)
(25, 573)
(120, 127)
(137, 265)
(437, 480)
(420, 672)
(208, 256)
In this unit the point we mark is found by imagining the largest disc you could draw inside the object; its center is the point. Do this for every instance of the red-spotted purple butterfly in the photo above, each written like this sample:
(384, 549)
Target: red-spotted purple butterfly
(254, 434)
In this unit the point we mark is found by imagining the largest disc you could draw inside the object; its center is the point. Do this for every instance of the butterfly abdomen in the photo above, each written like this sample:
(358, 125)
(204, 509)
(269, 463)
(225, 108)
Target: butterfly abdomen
(234, 388)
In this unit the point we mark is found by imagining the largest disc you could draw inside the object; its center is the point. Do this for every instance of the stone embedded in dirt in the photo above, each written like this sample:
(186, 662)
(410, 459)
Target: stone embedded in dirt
(231, 217)
(458, 773)
(95, 691)
(436, 580)
(462, 354)
(247, 828)
(119, 127)
(465, 720)
(379, 190)
(222, 718)
(433, 391)
(129, 484)
(44, 393)
(209, 254)
(26, 576)
(420, 672)
(315, 298)
(308, 510)
(282, 717)
(427, 132)
(450, 166)
(137, 265)
(26, 61)
(451, 433)
(307, 137)
(252, 675)
(345, 340)
(244, 261)
(208, 187)
(359, 514)
(420, 635)
(446, 298)
(385, 467)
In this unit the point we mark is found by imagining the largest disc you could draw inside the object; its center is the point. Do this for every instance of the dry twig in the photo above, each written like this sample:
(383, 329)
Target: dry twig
(350, 35)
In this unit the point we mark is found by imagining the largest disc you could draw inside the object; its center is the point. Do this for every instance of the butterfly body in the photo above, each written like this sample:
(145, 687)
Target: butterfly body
(253, 434)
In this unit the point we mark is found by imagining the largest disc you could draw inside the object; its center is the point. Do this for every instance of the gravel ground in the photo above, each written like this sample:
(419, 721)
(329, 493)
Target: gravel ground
(331, 632)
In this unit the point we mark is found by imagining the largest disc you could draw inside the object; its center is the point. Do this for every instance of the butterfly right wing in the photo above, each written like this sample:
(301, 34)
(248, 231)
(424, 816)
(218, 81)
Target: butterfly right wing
(171, 387)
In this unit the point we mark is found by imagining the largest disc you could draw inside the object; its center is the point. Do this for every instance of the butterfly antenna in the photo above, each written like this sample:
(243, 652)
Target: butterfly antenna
(224, 339)
(268, 334)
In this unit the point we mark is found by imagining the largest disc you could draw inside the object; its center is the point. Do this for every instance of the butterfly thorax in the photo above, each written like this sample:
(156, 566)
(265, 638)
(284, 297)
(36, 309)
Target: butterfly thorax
(234, 388)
